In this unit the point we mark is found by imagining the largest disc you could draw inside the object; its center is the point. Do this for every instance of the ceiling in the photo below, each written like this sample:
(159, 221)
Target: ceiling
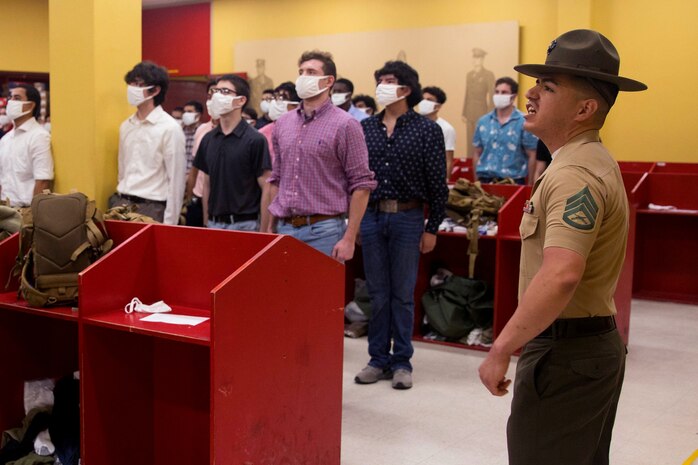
(162, 3)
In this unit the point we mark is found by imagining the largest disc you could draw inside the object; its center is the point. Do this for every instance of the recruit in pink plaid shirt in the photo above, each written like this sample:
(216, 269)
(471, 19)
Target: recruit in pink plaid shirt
(319, 162)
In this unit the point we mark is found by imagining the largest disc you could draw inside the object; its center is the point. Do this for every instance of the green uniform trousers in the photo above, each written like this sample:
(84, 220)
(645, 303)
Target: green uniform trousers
(565, 399)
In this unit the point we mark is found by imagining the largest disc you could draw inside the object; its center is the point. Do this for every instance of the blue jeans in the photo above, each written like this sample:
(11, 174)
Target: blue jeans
(390, 244)
(321, 236)
(251, 225)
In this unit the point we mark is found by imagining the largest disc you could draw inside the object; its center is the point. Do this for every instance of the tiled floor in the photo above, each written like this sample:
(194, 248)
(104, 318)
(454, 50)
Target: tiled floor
(448, 418)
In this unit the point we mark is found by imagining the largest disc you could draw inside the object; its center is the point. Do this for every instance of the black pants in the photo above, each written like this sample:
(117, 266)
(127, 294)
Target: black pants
(565, 399)
(195, 212)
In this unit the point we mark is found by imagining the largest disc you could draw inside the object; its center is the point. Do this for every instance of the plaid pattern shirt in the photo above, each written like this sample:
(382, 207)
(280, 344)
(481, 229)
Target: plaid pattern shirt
(321, 160)
(189, 133)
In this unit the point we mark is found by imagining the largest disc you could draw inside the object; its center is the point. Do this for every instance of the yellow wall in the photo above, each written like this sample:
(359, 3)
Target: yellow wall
(24, 33)
(656, 41)
(88, 91)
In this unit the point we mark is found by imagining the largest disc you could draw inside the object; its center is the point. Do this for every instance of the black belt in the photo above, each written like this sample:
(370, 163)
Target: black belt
(579, 327)
(230, 219)
(136, 199)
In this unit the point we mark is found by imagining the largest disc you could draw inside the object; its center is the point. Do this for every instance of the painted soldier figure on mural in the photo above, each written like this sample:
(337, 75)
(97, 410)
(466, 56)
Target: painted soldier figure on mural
(258, 83)
(479, 83)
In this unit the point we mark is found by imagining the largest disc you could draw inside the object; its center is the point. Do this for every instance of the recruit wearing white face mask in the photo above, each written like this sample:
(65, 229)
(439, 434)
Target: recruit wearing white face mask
(14, 109)
(209, 109)
(189, 118)
(278, 108)
(223, 104)
(309, 86)
(502, 101)
(340, 99)
(135, 95)
(386, 94)
(426, 107)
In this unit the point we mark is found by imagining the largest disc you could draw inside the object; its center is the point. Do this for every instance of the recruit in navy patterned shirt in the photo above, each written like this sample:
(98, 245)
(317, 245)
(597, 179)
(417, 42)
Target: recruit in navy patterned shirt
(410, 164)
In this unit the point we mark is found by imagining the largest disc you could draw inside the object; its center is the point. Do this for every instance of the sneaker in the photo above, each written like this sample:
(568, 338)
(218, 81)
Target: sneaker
(370, 375)
(402, 379)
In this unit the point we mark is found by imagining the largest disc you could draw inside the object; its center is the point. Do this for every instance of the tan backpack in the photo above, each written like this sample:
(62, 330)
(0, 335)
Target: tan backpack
(61, 235)
(470, 205)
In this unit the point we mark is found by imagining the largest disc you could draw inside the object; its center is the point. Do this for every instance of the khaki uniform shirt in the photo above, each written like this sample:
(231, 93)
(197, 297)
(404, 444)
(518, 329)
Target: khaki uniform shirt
(579, 203)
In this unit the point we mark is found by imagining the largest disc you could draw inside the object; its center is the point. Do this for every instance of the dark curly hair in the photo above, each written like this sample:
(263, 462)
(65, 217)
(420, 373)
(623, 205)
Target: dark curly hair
(406, 76)
(151, 75)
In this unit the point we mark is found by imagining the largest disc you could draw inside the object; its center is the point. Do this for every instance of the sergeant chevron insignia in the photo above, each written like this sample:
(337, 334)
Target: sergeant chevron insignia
(581, 210)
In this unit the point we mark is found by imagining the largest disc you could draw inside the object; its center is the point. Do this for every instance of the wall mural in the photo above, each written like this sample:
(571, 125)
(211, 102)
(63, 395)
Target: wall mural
(464, 60)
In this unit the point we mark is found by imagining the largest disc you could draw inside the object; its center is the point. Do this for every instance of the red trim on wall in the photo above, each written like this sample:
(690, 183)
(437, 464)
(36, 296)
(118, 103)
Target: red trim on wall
(179, 38)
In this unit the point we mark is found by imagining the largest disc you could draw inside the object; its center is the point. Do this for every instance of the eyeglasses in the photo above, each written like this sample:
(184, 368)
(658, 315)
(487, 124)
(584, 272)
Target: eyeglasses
(222, 90)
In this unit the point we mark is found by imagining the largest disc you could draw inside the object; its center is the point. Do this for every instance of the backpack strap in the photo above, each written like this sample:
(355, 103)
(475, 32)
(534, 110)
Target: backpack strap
(30, 293)
(26, 236)
(474, 236)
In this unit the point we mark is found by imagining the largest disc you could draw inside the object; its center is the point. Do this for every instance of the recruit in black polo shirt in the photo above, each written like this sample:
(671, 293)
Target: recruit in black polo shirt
(233, 163)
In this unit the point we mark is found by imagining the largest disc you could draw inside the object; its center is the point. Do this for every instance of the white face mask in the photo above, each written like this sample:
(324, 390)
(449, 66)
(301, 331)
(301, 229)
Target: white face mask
(5, 120)
(426, 107)
(340, 99)
(14, 109)
(223, 104)
(189, 118)
(264, 106)
(363, 110)
(501, 100)
(135, 95)
(47, 126)
(309, 86)
(209, 109)
(137, 306)
(386, 94)
(278, 108)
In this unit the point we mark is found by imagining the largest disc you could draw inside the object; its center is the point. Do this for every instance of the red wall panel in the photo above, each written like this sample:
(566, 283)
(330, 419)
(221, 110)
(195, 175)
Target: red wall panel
(179, 38)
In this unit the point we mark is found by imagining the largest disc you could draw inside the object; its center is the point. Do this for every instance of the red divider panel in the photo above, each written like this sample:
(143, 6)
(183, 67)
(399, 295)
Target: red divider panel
(277, 359)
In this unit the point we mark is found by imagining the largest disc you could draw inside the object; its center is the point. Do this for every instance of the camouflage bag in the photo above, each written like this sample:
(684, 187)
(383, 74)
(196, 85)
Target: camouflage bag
(470, 205)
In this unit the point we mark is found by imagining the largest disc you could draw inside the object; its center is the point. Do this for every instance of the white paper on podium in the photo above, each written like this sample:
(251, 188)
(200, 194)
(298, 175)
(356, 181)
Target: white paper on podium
(175, 319)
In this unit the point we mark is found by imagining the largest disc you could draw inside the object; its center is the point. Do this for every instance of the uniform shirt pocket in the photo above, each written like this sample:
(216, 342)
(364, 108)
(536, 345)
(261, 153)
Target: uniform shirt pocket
(528, 226)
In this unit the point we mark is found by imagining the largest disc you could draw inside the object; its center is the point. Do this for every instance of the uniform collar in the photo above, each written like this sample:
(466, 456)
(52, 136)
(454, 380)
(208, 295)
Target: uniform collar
(566, 154)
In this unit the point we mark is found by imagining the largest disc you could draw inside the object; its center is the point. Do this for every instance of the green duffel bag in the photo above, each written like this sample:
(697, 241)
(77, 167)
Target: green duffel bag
(457, 306)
